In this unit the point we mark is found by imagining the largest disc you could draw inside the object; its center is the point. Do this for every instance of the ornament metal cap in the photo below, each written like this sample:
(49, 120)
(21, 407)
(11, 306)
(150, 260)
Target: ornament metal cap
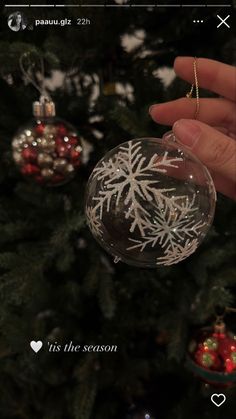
(44, 108)
(219, 327)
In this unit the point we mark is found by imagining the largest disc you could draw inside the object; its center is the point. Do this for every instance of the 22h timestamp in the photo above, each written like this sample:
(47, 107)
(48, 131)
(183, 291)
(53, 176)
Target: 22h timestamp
(83, 21)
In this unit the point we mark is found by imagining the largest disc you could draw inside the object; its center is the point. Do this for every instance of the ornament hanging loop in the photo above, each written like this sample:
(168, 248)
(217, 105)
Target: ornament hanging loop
(195, 85)
(28, 62)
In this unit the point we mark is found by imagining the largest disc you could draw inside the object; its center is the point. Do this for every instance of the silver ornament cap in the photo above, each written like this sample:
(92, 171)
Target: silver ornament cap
(44, 108)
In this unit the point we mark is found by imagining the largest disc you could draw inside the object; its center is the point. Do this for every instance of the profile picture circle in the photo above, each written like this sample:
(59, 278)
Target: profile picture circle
(17, 22)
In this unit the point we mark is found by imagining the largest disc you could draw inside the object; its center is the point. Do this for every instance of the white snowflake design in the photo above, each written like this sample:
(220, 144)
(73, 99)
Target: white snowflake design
(178, 253)
(94, 221)
(129, 171)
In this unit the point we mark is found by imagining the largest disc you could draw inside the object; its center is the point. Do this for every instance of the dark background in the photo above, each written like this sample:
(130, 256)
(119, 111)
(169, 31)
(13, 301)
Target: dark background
(56, 283)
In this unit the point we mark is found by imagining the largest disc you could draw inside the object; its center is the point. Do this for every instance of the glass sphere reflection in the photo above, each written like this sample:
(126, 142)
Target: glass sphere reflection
(150, 202)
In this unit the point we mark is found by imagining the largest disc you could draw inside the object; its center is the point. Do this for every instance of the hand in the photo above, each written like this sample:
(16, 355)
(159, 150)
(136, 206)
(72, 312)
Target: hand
(212, 137)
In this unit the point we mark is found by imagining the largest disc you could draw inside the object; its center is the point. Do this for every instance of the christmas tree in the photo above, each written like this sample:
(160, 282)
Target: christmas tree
(57, 285)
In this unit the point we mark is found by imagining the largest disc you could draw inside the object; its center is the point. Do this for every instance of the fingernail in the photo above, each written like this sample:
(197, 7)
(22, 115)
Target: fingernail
(187, 132)
(152, 108)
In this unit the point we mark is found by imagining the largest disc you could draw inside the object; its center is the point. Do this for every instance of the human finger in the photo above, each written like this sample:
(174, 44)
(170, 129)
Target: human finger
(220, 112)
(212, 75)
(213, 148)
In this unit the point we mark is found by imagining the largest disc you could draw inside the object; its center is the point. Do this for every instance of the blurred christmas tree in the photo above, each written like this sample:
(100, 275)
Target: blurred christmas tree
(56, 284)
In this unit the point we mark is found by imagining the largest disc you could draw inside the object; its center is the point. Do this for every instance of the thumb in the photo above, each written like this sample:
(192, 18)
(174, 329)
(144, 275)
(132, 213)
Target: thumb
(213, 148)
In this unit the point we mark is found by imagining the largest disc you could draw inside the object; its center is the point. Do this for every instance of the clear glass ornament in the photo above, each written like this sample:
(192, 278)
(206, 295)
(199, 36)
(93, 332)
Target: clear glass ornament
(47, 150)
(150, 202)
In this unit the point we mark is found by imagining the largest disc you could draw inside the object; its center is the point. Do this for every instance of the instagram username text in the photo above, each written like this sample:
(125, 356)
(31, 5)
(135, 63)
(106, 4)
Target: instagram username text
(81, 21)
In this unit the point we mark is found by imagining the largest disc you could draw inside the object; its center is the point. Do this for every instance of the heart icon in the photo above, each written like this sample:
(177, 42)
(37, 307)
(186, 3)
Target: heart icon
(36, 346)
(218, 399)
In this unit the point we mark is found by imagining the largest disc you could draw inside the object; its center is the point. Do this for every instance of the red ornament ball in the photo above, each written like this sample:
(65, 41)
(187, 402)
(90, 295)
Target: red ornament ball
(29, 154)
(47, 151)
(61, 130)
(40, 128)
(30, 170)
(212, 356)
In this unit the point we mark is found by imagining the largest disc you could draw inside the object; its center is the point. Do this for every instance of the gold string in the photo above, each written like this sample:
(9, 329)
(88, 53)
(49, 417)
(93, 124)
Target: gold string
(196, 85)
